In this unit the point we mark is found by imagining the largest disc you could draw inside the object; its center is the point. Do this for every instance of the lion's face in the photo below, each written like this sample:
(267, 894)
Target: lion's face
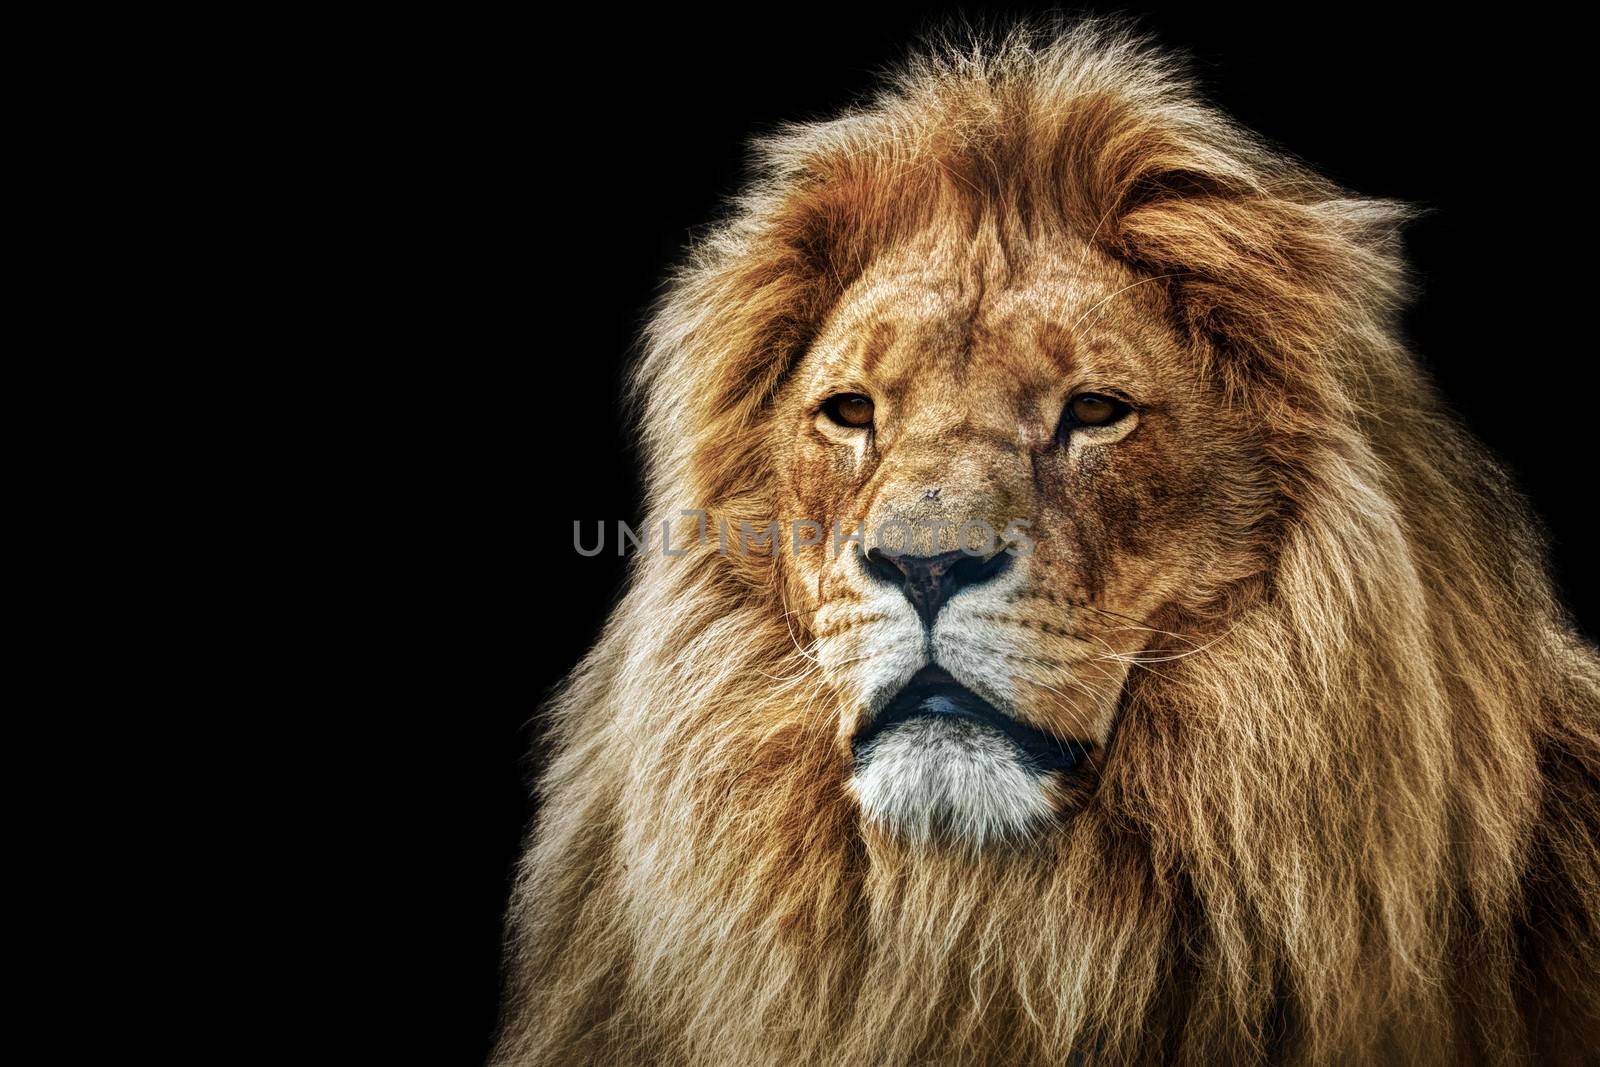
(1046, 484)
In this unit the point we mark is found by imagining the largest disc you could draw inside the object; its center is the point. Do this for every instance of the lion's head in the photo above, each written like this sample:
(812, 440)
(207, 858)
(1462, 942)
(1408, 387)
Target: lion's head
(1144, 667)
(1047, 495)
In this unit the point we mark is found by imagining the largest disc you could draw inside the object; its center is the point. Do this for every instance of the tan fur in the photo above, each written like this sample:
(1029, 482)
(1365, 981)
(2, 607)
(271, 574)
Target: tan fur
(1357, 820)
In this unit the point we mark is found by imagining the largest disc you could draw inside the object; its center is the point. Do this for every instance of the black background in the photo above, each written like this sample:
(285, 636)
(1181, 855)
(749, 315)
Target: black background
(568, 164)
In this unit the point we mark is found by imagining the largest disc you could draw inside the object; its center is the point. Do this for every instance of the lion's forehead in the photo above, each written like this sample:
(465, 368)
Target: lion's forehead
(982, 331)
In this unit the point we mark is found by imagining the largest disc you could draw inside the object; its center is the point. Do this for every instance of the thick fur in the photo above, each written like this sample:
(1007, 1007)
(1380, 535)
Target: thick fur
(1360, 825)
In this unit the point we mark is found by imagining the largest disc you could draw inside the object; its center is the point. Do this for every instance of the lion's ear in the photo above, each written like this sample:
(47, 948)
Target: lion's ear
(1276, 273)
(1270, 265)
(732, 326)
(750, 301)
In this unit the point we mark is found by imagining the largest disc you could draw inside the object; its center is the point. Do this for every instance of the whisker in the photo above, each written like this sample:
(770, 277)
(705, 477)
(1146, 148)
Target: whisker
(1119, 292)
(783, 599)
(1113, 614)
(1164, 656)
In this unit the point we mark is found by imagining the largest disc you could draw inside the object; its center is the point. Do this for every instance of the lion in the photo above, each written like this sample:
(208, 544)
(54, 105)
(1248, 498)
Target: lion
(1175, 682)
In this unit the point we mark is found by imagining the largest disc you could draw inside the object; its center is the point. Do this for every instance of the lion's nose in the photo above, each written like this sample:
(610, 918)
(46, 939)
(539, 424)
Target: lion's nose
(929, 581)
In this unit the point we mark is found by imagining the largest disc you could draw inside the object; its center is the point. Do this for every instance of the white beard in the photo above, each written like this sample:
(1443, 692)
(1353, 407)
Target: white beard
(930, 777)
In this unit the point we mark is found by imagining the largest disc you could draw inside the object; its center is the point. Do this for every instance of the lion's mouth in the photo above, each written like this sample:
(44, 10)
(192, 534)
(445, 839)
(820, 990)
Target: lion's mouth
(933, 693)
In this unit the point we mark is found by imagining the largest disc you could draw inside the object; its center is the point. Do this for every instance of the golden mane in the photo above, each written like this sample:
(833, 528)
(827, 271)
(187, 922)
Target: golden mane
(1363, 826)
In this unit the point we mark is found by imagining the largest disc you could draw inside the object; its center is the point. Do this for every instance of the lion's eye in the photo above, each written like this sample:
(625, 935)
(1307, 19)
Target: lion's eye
(1094, 409)
(849, 409)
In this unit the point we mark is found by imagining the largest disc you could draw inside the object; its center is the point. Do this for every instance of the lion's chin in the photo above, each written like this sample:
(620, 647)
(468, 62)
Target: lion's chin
(928, 779)
(940, 762)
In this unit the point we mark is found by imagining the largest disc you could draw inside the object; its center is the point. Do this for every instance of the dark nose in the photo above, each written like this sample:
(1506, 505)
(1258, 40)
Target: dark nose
(929, 581)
